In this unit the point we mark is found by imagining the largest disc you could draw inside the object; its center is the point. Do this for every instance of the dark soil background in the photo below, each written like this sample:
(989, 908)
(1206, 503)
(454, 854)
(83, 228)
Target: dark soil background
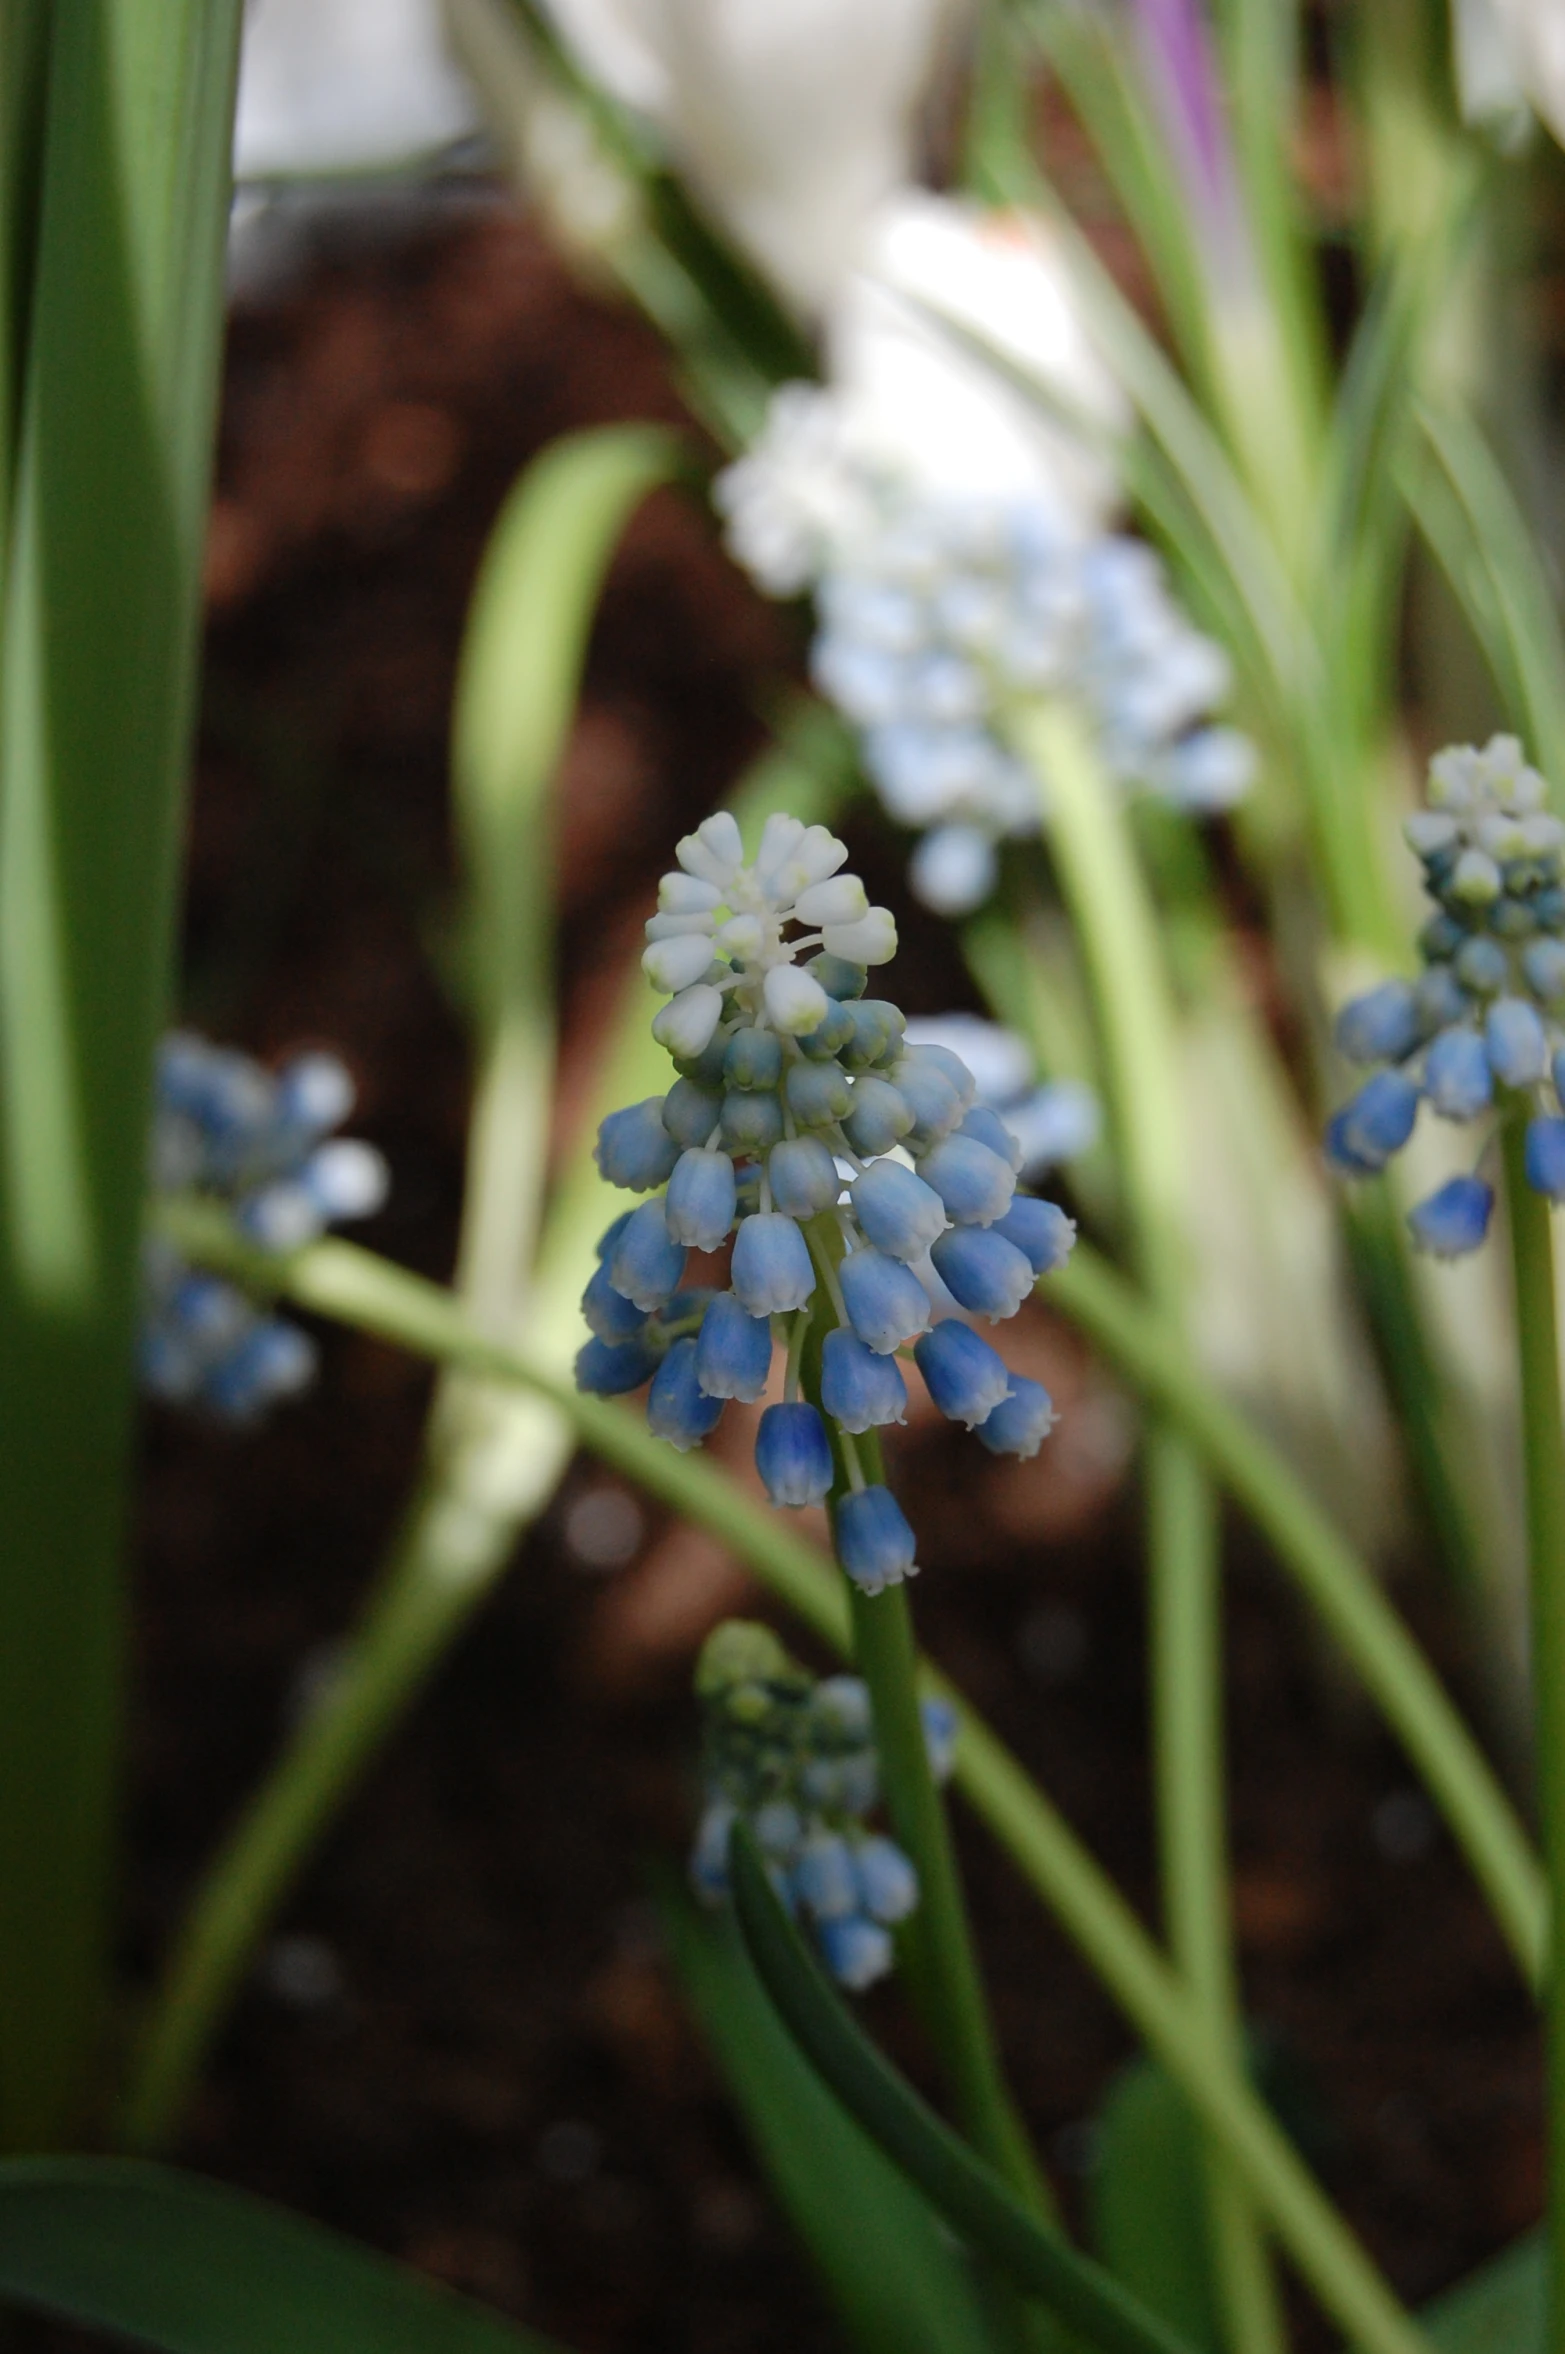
(462, 2044)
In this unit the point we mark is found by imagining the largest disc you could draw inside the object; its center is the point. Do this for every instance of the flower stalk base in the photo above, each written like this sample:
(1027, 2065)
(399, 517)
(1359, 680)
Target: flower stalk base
(1543, 1447)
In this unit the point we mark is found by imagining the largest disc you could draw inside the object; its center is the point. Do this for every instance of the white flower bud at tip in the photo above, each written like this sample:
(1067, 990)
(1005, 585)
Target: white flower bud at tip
(842, 900)
(685, 1025)
(680, 894)
(678, 927)
(820, 853)
(741, 937)
(816, 855)
(714, 853)
(780, 837)
(677, 964)
(872, 940)
(795, 1003)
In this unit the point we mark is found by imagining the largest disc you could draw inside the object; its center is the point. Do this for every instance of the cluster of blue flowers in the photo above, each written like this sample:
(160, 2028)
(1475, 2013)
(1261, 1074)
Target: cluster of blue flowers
(796, 1759)
(933, 625)
(803, 1125)
(1487, 1013)
(261, 1144)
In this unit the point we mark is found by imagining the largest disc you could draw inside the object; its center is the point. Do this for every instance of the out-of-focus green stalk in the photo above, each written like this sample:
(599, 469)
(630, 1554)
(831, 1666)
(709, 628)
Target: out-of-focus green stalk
(1305, 607)
(1184, 1556)
(109, 489)
(1396, 73)
(1090, 841)
(24, 56)
(493, 1458)
(516, 696)
(1259, 43)
(1474, 523)
(1543, 1460)
(1089, 51)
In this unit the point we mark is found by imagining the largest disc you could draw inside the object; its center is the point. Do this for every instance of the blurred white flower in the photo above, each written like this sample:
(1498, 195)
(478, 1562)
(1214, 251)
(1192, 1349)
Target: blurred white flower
(910, 409)
(619, 43)
(936, 412)
(329, 86)
(799, 493)
(544, 133)
(1509, 56)
(792, 123)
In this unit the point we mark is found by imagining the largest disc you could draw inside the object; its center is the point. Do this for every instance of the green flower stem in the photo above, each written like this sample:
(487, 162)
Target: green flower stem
(976, 2201)
(943, 1967)
(1185, 1601)
(886, 1657)
(1117, 926)
(351, 1285)
(937, 1942)
(1543, 1448)
(1089, 841)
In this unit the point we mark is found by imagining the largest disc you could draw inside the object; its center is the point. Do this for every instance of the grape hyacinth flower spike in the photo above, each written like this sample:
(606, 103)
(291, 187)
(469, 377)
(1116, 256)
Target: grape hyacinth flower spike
(942, 610)
(1481, 1032)
(857, 1175)
(260, 1143)
(795, 1759)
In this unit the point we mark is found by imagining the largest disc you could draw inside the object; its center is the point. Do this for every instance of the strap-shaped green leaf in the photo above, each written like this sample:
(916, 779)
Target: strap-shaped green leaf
(1500, 2309)
(1146, 2209)
(969, 2193)
(1472, 520)
(190, 2267)
(112, 462)
(898, 2282)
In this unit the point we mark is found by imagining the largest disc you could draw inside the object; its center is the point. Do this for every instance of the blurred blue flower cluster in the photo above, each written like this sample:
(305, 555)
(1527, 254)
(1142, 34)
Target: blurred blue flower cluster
(1486, 1017)
(804, 1125)
(933, 625)
(260, 1143)
(1051, 1121)
(795, 1758)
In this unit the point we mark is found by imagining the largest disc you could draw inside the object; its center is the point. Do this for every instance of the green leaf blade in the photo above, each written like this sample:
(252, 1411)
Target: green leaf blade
(898, 2280)
(976, 2201)
(1500, 2309)
(191, 2267)
(1148, 2215)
